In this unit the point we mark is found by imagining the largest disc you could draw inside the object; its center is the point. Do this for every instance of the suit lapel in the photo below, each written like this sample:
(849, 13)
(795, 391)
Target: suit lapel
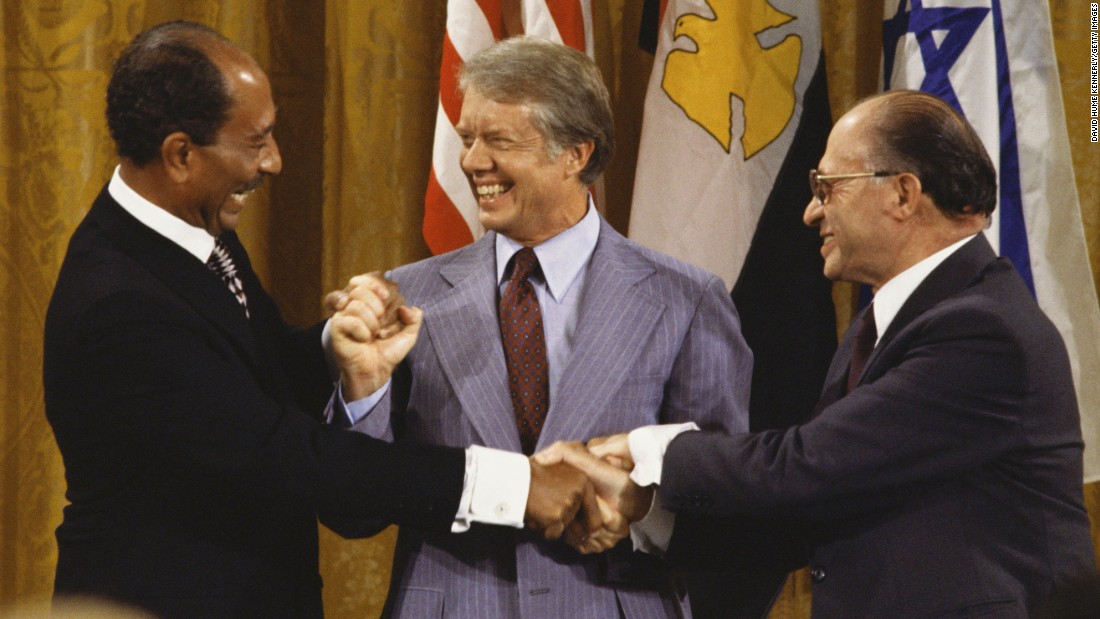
(178, 270)
(615, 320)
(465, 335)
(951, 276)
(836, 379)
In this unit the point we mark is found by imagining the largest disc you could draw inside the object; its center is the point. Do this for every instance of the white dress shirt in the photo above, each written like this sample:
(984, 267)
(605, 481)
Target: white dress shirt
(197, 241)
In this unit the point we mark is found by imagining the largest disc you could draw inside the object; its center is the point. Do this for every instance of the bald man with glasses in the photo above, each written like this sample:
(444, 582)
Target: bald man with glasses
(941, 472)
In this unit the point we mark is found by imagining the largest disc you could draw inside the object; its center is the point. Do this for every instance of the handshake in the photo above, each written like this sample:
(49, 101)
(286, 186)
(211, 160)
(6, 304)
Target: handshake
(584, 494)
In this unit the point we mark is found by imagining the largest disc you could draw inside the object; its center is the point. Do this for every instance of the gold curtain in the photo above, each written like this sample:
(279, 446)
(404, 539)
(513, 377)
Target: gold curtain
(356, 82)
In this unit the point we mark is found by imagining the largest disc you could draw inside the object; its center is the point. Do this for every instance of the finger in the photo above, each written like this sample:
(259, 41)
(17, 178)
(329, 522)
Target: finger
(374, 282)
(551, 455)
(575, 535)
(369, 300)
(396, 347)
(590, 509)
(617, 462)
(359, 310)
(410, 315)
(389, 328)
(617, 446)
(613, 527)
(556, 452)
(403, 316)
(597, 441)
(578, 456)
(350, 327)
(335, 301)
(553, 531)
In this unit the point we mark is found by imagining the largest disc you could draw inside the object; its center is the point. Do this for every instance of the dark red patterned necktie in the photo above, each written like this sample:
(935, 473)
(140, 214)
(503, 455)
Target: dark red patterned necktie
(866, 335)
(221, 262)
(525, 349)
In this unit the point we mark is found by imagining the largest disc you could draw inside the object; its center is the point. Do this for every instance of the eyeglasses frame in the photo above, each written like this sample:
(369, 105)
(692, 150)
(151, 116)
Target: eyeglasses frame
(816, 180)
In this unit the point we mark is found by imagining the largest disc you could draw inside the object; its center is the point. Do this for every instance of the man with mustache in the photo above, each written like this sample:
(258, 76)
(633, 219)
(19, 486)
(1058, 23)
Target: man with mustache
(188, 414)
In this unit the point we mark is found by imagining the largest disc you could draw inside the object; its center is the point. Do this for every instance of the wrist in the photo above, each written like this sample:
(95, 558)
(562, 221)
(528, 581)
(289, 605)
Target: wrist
(637, 502)
(358, 385)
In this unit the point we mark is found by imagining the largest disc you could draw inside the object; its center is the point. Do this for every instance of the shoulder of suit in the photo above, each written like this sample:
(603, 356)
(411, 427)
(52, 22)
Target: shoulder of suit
(662, 264)
(434, 263)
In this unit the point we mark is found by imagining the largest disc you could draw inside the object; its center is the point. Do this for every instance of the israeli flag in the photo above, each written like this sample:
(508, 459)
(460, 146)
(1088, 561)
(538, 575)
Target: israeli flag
(994, 62)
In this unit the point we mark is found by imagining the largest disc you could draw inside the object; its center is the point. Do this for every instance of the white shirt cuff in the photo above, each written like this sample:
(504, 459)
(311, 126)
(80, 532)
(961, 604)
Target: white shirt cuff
(652, 533)
(495, 489)
(647, 448)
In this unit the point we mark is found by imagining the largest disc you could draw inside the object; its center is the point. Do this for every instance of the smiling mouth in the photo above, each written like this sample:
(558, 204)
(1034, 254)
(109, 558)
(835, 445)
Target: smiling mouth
(242, 195)
(489, 193)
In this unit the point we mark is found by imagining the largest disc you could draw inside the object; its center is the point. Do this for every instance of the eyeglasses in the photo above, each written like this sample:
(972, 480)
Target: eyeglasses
(819, 183)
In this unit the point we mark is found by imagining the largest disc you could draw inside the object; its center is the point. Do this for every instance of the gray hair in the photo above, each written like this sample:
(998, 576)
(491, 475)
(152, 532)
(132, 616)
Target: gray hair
(562, 87)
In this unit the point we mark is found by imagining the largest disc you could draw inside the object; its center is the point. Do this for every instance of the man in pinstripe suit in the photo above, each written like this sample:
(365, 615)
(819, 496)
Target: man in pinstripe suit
(632, 337)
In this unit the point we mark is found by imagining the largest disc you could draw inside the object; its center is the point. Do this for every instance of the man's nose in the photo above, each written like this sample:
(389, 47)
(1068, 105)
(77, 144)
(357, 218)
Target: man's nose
(814, 213)
(271, 161)
(474, 158)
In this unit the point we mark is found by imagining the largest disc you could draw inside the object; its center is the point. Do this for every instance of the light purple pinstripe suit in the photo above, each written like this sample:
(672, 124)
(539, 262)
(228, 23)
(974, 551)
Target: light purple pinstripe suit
(657, 341)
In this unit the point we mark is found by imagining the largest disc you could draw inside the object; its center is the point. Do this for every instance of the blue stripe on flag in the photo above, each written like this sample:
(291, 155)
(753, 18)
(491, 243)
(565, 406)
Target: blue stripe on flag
(960, 25)
(1013, 229)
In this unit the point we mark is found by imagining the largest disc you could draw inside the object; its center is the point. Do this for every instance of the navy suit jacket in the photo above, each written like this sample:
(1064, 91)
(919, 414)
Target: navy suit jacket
(947, 483)
(194, 451)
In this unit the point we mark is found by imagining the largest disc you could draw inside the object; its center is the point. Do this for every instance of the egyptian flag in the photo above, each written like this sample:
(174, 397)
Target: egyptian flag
(736, 115)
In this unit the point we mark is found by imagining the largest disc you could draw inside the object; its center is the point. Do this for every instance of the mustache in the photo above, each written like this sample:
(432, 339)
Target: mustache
(255, 183)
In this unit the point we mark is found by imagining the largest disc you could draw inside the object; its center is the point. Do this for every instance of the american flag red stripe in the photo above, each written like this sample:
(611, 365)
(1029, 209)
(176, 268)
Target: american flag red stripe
(450, 211)
(569, 18)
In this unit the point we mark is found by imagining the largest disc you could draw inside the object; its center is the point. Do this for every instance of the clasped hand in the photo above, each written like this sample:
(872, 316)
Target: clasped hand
(372, 330)
(604, 500)
(582, 493)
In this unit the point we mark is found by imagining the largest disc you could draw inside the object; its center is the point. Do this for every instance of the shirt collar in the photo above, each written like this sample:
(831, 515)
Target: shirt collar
(894, 293)
(197, 241)
(561, 257)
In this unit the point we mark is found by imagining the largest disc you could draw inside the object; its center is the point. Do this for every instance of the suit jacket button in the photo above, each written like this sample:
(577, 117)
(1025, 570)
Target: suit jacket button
(817, 573)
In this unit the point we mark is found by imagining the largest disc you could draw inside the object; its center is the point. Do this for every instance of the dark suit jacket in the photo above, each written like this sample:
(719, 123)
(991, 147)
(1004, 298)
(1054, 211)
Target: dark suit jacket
(194, 452)
(948, 482)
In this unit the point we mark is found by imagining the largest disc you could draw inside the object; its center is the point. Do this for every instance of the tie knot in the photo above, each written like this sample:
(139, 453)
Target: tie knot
(220, 261)
(867, 332)
(524, 264)
(864, 344)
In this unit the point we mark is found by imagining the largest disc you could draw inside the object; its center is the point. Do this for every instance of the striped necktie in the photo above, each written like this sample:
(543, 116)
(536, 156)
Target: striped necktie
(221, 263)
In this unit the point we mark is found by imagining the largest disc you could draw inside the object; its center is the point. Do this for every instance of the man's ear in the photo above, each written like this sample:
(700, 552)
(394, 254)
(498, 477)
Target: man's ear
(177, 153)
(909, 192)
(576, 158)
